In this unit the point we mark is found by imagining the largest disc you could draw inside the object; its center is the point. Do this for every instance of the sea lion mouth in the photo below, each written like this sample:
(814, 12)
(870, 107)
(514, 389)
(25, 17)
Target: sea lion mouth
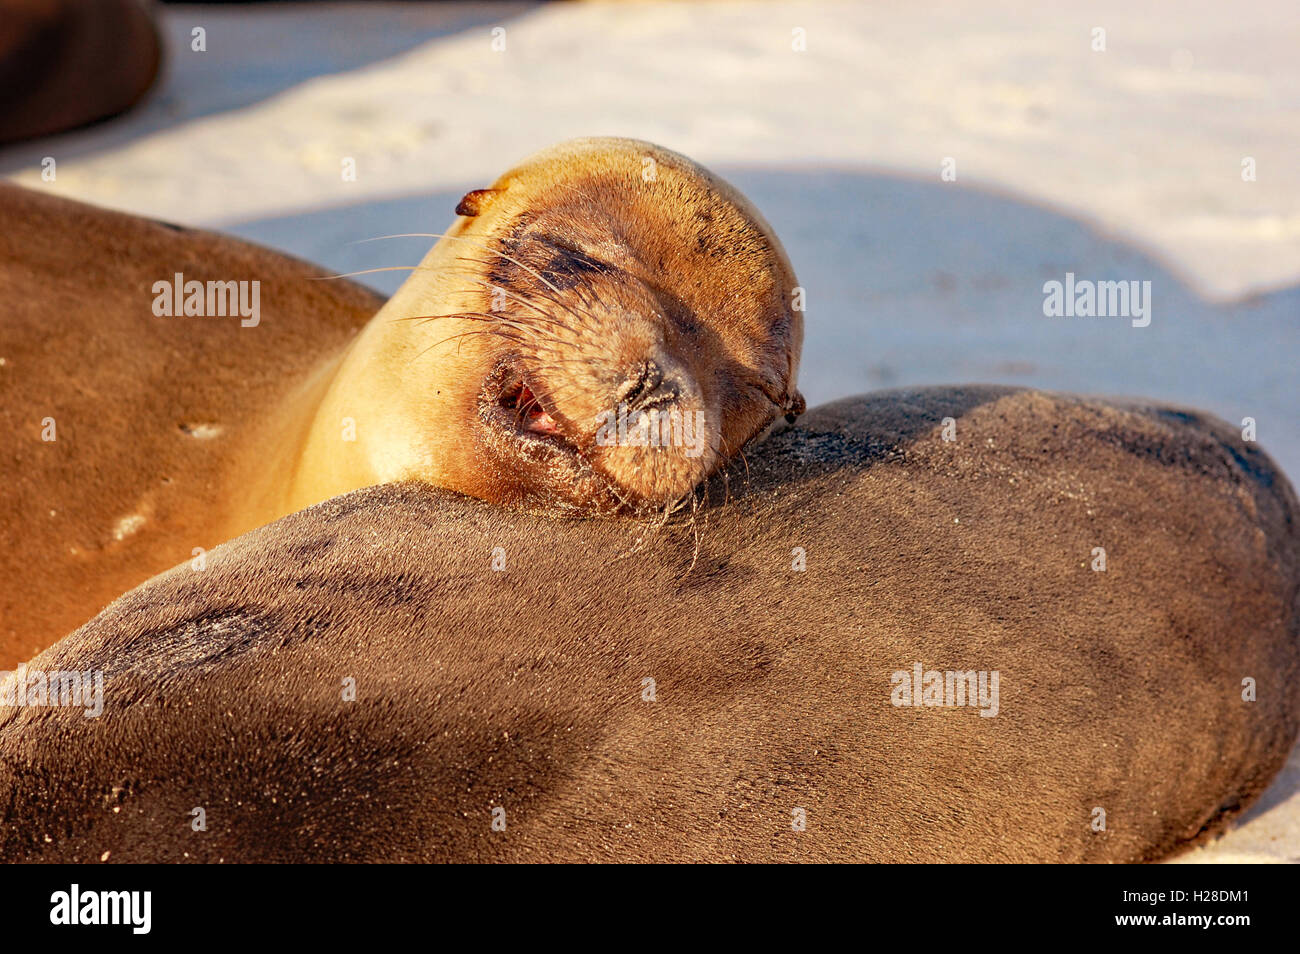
(521, 413)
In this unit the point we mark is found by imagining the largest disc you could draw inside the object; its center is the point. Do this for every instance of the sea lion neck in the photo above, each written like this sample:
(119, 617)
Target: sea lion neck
(268, 474)
(348, 427)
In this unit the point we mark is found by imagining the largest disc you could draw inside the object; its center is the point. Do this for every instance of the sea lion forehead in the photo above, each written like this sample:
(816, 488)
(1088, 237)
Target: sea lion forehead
(638, 202)
(603, 173)
(581, 158)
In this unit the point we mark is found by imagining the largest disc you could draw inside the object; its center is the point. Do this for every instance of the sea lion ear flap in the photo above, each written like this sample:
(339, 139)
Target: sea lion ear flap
(475, 202)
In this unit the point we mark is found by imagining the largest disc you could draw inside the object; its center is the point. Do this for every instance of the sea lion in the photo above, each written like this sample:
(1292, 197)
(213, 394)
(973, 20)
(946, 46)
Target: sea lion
(601, 279)
(66, 63)
(527, 690)
(118, 425)
(601, 282)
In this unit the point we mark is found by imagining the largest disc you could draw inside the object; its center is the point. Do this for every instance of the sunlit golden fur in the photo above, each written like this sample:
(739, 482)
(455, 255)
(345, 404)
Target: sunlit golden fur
(585, 264)
(601, 271)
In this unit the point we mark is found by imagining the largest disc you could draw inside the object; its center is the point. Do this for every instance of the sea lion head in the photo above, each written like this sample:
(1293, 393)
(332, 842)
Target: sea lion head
(605, 326)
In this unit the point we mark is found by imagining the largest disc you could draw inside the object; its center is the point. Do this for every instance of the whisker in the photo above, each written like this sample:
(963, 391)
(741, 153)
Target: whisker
(554, 301)
(469, 316)
(463, 334)
(371, 271)
(464, 238)
(519, 298)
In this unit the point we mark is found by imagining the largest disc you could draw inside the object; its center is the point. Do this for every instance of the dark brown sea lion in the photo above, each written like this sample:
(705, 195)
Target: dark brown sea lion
(602, 285)
(65, 63)
(531, 689)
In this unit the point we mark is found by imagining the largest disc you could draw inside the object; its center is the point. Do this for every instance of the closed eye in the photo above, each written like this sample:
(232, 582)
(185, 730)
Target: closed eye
(567, 261)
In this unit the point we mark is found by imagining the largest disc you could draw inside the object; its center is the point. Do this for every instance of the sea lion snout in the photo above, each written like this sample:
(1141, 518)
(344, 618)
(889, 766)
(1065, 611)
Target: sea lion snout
(658, 435)
(631, 394)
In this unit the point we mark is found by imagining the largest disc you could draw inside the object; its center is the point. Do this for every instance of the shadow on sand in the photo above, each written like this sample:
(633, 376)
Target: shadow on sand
(284, 46)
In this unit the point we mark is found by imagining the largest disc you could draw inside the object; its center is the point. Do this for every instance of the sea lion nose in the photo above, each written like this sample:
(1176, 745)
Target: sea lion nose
(648, 386)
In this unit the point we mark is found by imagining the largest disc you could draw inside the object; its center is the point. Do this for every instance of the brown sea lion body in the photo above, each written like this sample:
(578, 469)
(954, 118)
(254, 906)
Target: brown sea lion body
(143, 408)
(577, 284)
(508, 714)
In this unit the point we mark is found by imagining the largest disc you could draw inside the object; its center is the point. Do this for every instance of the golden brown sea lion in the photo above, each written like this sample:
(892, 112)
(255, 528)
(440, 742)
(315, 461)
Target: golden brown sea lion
(602, 281)
(118, 424)
(587, 703)
(603, 278)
